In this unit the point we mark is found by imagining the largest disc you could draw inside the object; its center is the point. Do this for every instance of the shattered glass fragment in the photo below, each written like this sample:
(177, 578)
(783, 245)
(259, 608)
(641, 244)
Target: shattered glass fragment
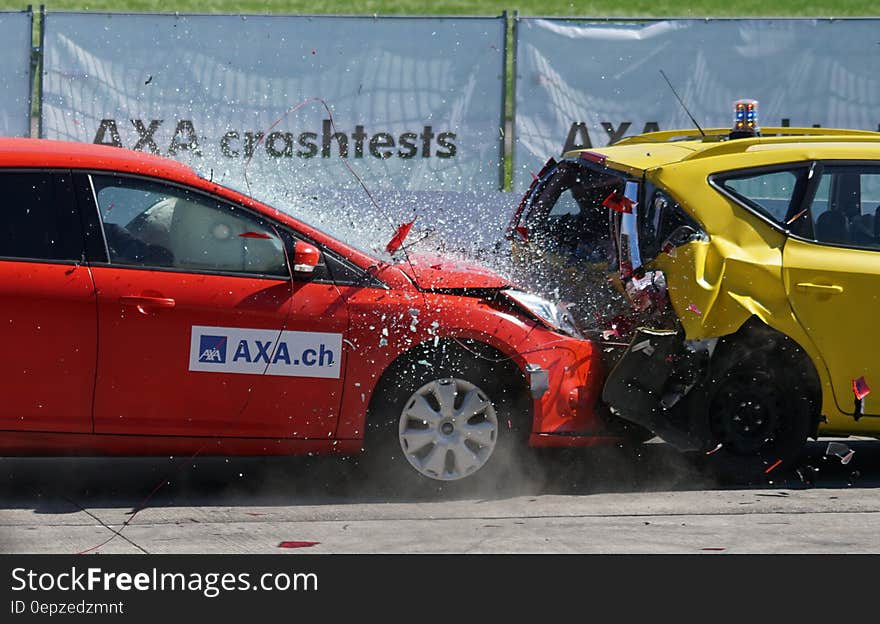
(806, 473)
(644, 346)
(853, 477)
(841, 450)
(648, 291)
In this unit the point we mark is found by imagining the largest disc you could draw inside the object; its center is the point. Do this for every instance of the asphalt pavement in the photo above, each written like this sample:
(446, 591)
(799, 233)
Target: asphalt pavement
(647, 499)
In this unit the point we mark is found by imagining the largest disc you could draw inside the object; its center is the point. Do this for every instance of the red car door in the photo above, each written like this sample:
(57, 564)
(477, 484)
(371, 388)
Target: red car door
(47, 307)
(194, 315)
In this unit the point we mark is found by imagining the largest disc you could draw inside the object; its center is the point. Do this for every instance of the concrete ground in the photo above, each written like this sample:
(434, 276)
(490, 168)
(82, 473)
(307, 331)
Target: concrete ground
(644, 500)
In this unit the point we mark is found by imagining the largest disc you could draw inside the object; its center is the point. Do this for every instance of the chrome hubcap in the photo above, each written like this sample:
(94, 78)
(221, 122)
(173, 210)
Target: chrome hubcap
(448, 429)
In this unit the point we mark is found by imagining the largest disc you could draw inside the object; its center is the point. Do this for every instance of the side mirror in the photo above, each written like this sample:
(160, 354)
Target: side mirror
(305, 257)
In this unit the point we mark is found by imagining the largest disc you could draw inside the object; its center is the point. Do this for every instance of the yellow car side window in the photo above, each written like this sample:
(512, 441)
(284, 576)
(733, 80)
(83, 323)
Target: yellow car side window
(846, 206)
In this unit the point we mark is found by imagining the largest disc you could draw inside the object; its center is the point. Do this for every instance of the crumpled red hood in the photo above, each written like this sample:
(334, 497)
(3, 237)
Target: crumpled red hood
(434, 272)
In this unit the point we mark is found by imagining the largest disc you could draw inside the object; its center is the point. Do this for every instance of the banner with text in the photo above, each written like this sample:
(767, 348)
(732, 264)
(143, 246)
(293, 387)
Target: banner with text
(286, 101)
(586, 83)
(15, 74)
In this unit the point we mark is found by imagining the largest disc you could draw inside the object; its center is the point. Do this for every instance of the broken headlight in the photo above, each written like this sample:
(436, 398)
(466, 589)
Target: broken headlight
(554, 315)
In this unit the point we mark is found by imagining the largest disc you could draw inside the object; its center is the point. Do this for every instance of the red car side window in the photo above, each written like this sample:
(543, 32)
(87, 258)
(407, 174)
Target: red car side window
(39, 218)
(151, 224)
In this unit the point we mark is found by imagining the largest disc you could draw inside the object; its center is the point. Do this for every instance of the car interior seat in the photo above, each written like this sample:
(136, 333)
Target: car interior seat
(845, 197)
(153, 226)
(832, 227)
(862, 230)
(202, 236)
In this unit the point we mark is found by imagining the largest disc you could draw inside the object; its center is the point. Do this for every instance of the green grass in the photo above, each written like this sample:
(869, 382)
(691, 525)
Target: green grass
(673, 8)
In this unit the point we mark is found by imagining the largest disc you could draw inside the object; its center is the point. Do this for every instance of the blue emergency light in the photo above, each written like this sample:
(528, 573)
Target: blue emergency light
(745, 119)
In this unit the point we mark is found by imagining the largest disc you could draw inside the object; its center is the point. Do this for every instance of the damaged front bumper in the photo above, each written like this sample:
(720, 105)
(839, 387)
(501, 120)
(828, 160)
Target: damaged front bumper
(652, 381)
(538, 379)
(564, 377)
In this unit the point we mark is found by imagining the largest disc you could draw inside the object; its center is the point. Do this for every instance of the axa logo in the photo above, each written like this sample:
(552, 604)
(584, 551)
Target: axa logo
(253, 351)
(212, 349)
(261, 351)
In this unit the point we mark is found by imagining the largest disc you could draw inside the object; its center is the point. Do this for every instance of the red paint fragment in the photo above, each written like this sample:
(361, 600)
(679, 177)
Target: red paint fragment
(254, 235)
(692, 308)
(713, 548)
(860, 388)
(715, 450)
(770, 469)
(297, 544)
(593, 157)
(399, 236)
(523, 232)
(669, 250)
(619, 203)
(607, 334)
(437, 266)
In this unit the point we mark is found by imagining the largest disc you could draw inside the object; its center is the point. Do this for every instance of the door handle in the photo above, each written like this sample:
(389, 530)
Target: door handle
(829, 289)
(145, 304)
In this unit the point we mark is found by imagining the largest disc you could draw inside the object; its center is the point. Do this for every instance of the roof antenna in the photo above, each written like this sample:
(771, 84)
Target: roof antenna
(702, 134)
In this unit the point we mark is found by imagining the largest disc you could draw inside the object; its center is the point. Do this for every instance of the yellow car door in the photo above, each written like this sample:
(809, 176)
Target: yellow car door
(833, 280)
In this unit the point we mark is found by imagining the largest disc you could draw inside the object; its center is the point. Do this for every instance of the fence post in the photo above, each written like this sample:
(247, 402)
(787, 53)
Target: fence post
(515, 81)
(35, 79)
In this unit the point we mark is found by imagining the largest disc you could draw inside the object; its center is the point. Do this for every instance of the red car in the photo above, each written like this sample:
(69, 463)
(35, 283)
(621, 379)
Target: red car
(149, 311)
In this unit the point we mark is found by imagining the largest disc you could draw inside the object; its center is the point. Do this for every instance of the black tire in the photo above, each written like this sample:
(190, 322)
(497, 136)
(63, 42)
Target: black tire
(384, 456)
(760, 403)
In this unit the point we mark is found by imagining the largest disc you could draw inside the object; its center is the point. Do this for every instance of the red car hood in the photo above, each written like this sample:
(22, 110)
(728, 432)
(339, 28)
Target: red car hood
(434, 272)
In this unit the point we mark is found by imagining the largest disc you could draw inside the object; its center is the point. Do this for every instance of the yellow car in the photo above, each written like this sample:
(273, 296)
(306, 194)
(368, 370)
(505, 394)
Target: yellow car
(741, 317)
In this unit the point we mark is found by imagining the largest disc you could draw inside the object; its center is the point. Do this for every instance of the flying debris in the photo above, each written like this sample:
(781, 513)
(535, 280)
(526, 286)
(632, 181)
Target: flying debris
(841, 450)
(399, 236)
(297, 544)
(773, 466)
(619, 203)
